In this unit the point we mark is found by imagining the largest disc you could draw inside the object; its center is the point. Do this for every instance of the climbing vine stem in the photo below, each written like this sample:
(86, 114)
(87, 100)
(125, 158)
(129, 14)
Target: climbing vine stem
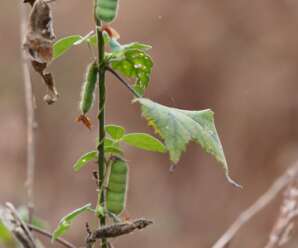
(101, 119)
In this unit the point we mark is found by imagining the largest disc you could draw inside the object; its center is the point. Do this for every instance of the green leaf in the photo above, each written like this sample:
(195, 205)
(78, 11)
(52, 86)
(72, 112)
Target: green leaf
(113, 150)
(134, 63)
(178, 127)
(63, 45)
(65, 222)
(115, 131)
(84, 160)
(93, 40)
(107, 142)
(144, 141)
(137, 45)
(6, 237)
(112, 146)
(84, 39)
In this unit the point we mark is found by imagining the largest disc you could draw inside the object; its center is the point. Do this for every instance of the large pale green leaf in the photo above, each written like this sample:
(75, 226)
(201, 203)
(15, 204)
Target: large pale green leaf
(64, 44)
(144, 141)
(178, 127)
(82, 161)
(65, 222)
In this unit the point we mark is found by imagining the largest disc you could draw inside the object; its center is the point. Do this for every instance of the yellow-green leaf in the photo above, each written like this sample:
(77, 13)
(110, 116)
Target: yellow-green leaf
(64, 44)
(65, 222)
(115, 131)
(82, 161)
(144, 141)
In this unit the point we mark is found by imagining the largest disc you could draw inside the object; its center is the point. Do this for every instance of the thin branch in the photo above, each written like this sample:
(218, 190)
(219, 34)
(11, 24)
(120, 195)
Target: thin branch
(136, 94)
(288, 214)
(49, 235)
(19, 228)
(31, 122)
(262, 202)
(116, 230)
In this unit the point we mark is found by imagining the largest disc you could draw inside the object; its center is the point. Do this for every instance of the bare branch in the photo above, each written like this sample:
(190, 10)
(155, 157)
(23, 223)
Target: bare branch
(15, 225)
(261, 203)
(280, 233)
(49, 235)
(31, 122)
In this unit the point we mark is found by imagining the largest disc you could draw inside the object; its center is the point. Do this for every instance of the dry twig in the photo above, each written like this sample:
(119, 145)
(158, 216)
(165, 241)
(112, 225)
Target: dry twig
(116, 230)
(15, 225)
(31, 122)
(49, 235)
(280, 233)
(262, 202)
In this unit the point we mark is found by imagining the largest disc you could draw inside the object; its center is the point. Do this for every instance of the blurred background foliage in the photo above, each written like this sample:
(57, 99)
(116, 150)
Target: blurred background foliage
(237, 57)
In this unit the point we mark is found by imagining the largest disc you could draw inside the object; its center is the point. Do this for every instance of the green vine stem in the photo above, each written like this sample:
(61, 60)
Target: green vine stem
(101, 119)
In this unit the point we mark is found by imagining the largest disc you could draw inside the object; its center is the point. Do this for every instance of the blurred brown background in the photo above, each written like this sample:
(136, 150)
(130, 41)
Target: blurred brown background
(239, 58)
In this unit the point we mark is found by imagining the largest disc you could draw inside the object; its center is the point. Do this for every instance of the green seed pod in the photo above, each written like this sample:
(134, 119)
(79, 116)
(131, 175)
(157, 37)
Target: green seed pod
(88, 89)
(106, 10)
(117, 187)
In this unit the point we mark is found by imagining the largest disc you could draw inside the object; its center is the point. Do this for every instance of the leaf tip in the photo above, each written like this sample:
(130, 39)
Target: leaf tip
(234, 183)
(172, 168)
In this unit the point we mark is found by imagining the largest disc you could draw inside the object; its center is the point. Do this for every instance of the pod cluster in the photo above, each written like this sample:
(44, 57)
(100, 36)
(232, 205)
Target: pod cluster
(106, 10)
(88, 89)
(117, 187)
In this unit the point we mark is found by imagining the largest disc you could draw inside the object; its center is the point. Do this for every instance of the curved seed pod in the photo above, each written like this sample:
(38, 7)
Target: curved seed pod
(106, 10)
(87, 94)
(117, 187)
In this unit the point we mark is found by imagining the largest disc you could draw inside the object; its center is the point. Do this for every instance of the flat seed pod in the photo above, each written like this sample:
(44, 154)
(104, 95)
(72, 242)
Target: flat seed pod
(88, 89)
(117, 187)
(106, 10)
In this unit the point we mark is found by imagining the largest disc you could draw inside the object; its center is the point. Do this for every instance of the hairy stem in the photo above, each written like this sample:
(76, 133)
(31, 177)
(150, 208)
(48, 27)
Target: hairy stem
(31, 122)
(101, 119)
